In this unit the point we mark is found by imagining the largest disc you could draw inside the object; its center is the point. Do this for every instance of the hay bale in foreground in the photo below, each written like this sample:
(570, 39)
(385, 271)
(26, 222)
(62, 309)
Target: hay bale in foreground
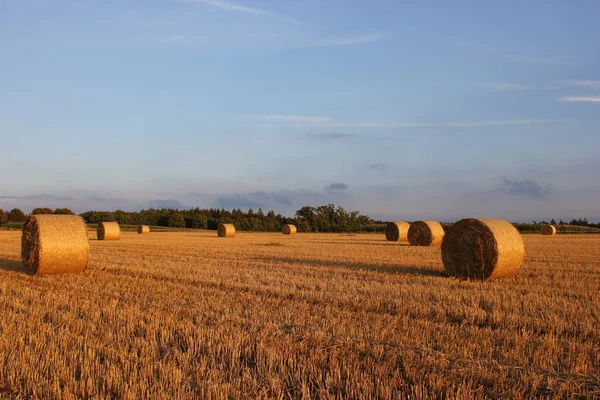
(482, 249)
(109, 231)
(226, 230)
(143, 229)
(289, 229)
(425, 233)
(548, 230)
(52, 244)
(397, 231)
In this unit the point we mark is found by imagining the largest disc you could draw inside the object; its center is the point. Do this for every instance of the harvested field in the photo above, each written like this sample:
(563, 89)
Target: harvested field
(312, 316)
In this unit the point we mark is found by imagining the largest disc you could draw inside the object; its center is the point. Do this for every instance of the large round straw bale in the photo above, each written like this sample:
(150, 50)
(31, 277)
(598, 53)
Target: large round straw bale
(425, 233)
(548, 230)
(109, 231)
(397, 231)
(143, 229)
(289, 229)
(52, 244)
(482, 249)
(226, 230)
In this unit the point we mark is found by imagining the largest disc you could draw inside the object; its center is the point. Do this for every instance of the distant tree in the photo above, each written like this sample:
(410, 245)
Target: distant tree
(63, 211)
(553, 221)
(176, 220)
(3, 216)
(94, 217)
(16, 215)
(200, 222)
(43, 210)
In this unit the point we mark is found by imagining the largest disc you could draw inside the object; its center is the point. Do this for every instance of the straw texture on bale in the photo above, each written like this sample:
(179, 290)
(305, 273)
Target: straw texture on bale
(397, 231)
(425, 233)
(109, 231)
(482, 249)
(53, 244)
(289, 229)
(548, 230)
(143, 229)
(226, 230)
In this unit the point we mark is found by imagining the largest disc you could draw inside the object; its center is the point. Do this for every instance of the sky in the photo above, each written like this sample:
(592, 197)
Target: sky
(397, 109)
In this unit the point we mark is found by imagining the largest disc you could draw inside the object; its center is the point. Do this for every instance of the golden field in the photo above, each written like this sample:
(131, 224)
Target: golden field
(261, 315)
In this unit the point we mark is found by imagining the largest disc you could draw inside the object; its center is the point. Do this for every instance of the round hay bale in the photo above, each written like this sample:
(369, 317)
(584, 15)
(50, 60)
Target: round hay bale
(109, 231)
(226, 230)
(425, 233)
(143, 229)
(397, 231)
(53, 244)
(482, 249)
(289, 229)
(548, 230)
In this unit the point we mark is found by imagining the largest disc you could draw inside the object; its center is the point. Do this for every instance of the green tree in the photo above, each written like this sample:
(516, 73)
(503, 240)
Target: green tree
(16, 215)
(176, 220)
(198, 222)
(43, 210)
(63, 211)
(3, 216)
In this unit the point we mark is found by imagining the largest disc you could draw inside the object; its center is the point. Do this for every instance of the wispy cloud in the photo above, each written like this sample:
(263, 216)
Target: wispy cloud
(377, 166)
(298, 119)
(588, 84)
(330, 136)
(347, 40)
(575, 99)
(325, 121)
(38, 197)
(237, 7)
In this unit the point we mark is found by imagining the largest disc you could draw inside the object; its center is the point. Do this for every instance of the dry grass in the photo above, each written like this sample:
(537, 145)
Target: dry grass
(181, 315)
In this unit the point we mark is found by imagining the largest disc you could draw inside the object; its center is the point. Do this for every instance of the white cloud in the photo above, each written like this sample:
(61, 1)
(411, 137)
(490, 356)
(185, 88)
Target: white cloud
(575, 99)
(588, 84)
(347, 40)
(236, 7)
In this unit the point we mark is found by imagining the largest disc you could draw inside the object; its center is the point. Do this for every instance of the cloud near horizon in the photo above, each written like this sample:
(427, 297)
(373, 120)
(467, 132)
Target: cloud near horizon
(526, 187)
(337, 186)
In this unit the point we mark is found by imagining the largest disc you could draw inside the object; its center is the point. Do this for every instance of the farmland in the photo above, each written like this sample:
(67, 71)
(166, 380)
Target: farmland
(188, 314)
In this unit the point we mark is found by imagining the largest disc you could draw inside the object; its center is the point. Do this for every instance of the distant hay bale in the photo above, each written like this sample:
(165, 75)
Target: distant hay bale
(109, 231)
(397, 231)
(143, 229)
(53, 244)
(226, 230)
(549, 230)
(289, 229)
(425, 233)
(482, 249)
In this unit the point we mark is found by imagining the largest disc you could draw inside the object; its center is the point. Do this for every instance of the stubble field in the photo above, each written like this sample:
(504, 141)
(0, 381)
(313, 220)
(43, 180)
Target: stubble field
(191, 315)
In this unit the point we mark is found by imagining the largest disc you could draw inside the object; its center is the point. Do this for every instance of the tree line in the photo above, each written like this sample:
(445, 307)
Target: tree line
(326, 218)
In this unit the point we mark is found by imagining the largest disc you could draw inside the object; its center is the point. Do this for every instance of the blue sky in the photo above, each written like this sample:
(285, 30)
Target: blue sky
(399, 109)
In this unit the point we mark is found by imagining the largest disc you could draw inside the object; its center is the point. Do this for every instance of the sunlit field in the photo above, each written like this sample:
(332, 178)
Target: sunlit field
(262, 315)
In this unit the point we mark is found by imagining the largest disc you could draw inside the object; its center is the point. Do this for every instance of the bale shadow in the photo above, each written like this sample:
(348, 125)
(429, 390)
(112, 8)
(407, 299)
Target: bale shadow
(364, 243)
(390, 269)
(12, 265)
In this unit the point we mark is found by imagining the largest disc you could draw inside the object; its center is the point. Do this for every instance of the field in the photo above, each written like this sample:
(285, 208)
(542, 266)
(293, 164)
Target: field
(187, 314)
